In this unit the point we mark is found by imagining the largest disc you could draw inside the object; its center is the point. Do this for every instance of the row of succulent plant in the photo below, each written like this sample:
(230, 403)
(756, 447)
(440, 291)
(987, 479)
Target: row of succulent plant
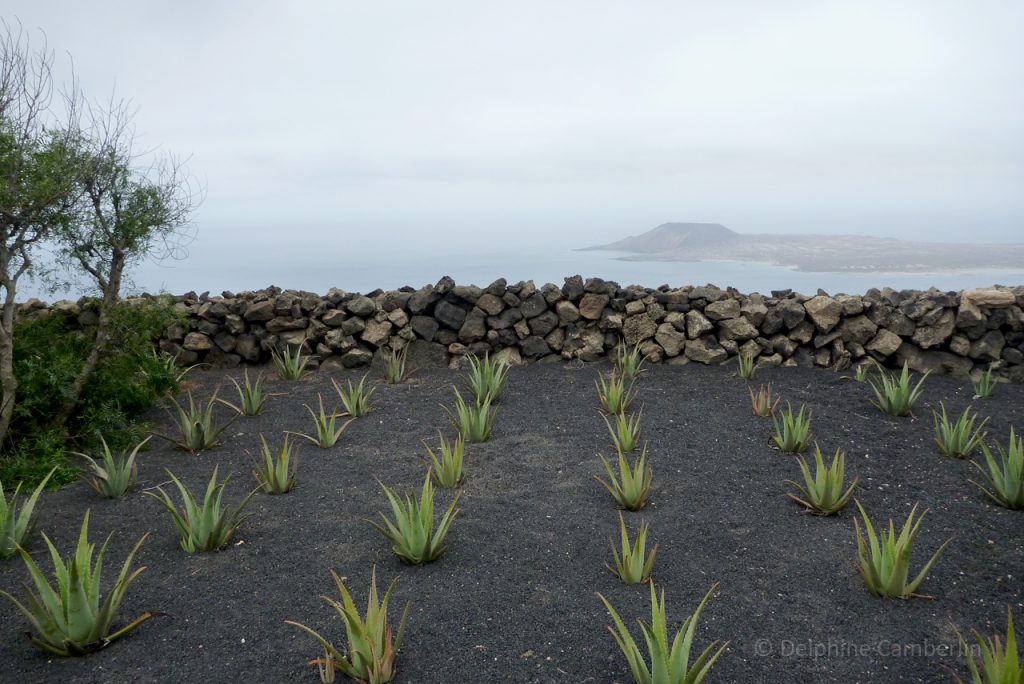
(883, 559)
(884, 555)
(417, 536)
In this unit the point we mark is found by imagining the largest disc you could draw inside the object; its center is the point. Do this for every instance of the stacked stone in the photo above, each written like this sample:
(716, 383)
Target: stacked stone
(957, 333)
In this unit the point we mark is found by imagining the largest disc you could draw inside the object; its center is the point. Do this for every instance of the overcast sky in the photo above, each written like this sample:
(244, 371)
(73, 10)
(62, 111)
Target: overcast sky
(586, 119)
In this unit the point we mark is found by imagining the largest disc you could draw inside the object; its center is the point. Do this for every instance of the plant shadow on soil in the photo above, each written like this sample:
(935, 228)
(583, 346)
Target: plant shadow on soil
(513, 599)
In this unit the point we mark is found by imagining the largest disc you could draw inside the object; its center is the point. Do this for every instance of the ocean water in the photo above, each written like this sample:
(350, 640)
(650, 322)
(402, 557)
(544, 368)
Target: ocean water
(363, 271)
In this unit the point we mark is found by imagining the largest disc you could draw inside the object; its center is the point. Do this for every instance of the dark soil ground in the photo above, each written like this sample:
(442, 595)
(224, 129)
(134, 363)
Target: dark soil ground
(514, 599)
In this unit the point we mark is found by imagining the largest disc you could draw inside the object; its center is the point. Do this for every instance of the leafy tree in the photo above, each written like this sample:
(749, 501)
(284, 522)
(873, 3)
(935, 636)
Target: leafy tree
(38, 187)
(128, 212)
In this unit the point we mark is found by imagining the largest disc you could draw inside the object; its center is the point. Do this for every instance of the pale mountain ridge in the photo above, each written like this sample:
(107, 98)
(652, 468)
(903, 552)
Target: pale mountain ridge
(812, 252)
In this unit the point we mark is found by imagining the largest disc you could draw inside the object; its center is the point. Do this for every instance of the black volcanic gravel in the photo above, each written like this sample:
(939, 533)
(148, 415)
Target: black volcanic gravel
(513, 600)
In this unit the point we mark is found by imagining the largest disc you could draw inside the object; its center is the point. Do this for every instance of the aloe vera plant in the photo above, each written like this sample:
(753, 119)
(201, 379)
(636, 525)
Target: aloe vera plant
(116, 475)
(894, 394)
(486, 378)
(632, 567)
(413, 536)
(629, 361)
(860, 373)
(1005, 479)
(762, 403)
(958, 439)
(68, 618)
(615, 396)
(371, 649)
(745, 366)
(793, 432)
(327, 430)
(355, 398)
(625, 431)
(207, 526)
(668, 664)
(632, 484)
(448, 469)
(17, 526)
(196, 427)
(473, 421)
(395, 366)
(822, 493)
(291, 365)
(275, 472)
(999, 663)
(251, 396)
(884, 559)
(985, 385)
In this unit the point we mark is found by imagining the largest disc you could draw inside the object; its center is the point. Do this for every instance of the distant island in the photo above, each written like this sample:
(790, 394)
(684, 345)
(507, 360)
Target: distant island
(812, 253)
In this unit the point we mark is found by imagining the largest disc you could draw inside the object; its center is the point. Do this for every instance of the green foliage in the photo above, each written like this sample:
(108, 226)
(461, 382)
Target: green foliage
(958, 439)
(822, 493)
(356, 398)
(667, 665)
(632, 567)
(49, 352)
(633, 483)
(629, 361)
(986, 384)
(251, 396)
(473, 421)
(614, 395)
(999, 664)
(625, 431)
(486, 378)
(894, 394)
(395, 366)
(794, 431)
(327, 430)
(745, 366)
(291, 365)
(69, 619)
(448, 469)
(762, 403)
(207, 526)
(275, 473)
(1005, 479)
(370, 656)
(17, 526)
(412, 534)
(117, 475)
(860, 373)
(884, 559)
(197, 430)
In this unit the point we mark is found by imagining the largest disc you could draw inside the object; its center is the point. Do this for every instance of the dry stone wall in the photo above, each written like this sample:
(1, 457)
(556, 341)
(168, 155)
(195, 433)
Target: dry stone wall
(959, 333)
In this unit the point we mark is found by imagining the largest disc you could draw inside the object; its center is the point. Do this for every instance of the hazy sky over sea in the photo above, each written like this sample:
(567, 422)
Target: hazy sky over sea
(376, 124)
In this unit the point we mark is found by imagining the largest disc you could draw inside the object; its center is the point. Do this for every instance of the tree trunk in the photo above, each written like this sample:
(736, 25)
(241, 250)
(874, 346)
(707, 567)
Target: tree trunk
(8, 383)
(111, 295)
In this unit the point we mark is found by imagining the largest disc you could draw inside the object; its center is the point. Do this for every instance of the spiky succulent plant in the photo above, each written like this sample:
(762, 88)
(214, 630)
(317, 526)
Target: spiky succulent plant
(412, 534)
(822, 492)
(884, 559)
(68, 618)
